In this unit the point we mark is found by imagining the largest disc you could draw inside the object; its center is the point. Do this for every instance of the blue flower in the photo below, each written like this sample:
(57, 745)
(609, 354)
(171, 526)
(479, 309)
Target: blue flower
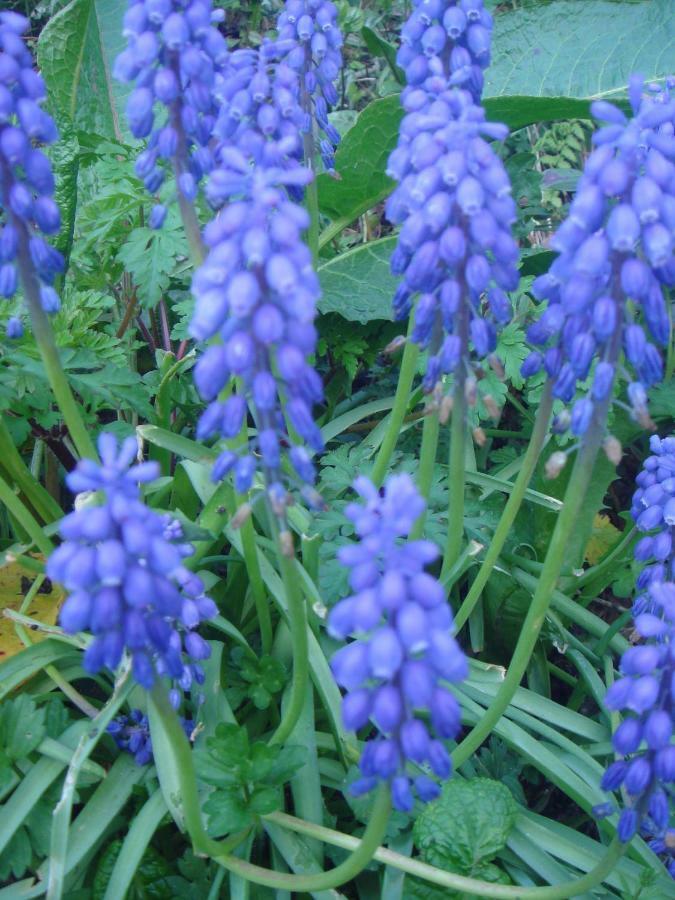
(176, 58)
(122, 566)
(132, 734)
(451, 38)
(27, 207)
(605, 289)
(403, 650)
(256, 292)
(455, 249)
(311, 28)
(646, 690)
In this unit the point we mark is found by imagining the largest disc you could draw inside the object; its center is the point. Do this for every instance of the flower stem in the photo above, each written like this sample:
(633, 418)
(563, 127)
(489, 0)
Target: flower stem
(425, 473)
(555, 558)
(257, 585)
(221, 850)
(297, 623)
(456, 478)
(399, 409)
(471, 886)
(44, 337)
(510, 510)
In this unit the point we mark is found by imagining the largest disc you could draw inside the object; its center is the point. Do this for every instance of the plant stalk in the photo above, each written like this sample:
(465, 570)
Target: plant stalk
(425, 473)
(510, 510)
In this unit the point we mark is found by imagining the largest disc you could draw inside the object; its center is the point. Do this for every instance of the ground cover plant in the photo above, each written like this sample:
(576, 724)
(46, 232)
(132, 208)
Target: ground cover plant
(337, 464)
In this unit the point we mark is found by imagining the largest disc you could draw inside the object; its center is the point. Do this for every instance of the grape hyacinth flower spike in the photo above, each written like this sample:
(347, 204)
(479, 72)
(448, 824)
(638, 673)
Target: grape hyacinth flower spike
(455, 249)
(122, 566)
(404, 650)
(27, 207)
(311, 27)
(256, 293)
(175, 57)
(605, 289)
(448, 38)
(132, 734)
(646, 690)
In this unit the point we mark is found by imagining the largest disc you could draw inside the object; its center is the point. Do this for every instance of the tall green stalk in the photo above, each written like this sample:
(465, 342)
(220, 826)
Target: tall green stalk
(555, 558)
(510, 510)
(425, 472)
(398, 411)
(44, 337)
(456, 478)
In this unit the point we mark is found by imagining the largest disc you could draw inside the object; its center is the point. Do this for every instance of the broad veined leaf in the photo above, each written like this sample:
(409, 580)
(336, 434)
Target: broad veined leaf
(15, 581)
(75, 53)
(358, 284)
(571, 49)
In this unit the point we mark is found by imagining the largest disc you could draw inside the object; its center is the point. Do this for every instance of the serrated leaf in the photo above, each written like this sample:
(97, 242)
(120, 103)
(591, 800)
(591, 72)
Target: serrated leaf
(286, 763)
(75, 53)
(22, 726)
(17, 855)
(570, 49)
(466, 826)
(150, 257)
(264, 800)
(227, 812)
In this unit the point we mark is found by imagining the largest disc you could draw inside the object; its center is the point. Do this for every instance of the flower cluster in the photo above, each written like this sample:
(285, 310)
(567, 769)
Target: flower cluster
(450, 38)
(646, 690)
(122, 565)
(177, 58)
(27, 207)
(615, 254)
(257, 290)
(455, 248)
(404, 648)
(312, 27)
(132, 734)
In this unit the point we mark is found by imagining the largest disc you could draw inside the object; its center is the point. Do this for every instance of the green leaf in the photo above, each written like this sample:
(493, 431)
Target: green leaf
(570, 49)
(75, 53)
(360, 160)
(25, 664)
(150, 258)
(379, 47)
(467, 826)
(286, 763)
(264, 800)
(16, 856)
(226, 756)
(358, 284)
(227, 812)
(22, 726)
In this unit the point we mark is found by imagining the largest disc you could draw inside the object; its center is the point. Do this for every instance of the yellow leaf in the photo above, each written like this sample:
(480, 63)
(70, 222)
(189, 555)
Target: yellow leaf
(15, 582)
(603, 537)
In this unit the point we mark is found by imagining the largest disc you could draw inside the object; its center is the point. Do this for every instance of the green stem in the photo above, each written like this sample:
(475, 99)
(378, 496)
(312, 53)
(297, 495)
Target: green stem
(257, 584)
(456, 478)
(193, 232)
(297, 624)
(555, 558)
(398, 411)
(221, 850)
(455, 882)
(510, 510)
(63, 809)
(40, 499)
(24, 518)
(44, 337)
(425, 473)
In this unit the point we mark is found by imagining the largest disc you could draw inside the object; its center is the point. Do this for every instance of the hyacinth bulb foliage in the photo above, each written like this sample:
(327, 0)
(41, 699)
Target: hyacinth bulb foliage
(403, 652)
(28, 212)
(311, 29)
(606, 312)
(645, 692)
(122, 566)
(176, 58)
(256, 292)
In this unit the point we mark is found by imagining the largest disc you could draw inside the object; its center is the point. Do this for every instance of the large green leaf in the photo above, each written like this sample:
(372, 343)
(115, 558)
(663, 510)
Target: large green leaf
(571, 49)
(358, 284)
(75, 52)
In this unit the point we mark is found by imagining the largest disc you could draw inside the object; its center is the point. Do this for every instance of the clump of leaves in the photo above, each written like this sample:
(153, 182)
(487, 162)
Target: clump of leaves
(248, 777)
(257, 679)
(463, 831)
